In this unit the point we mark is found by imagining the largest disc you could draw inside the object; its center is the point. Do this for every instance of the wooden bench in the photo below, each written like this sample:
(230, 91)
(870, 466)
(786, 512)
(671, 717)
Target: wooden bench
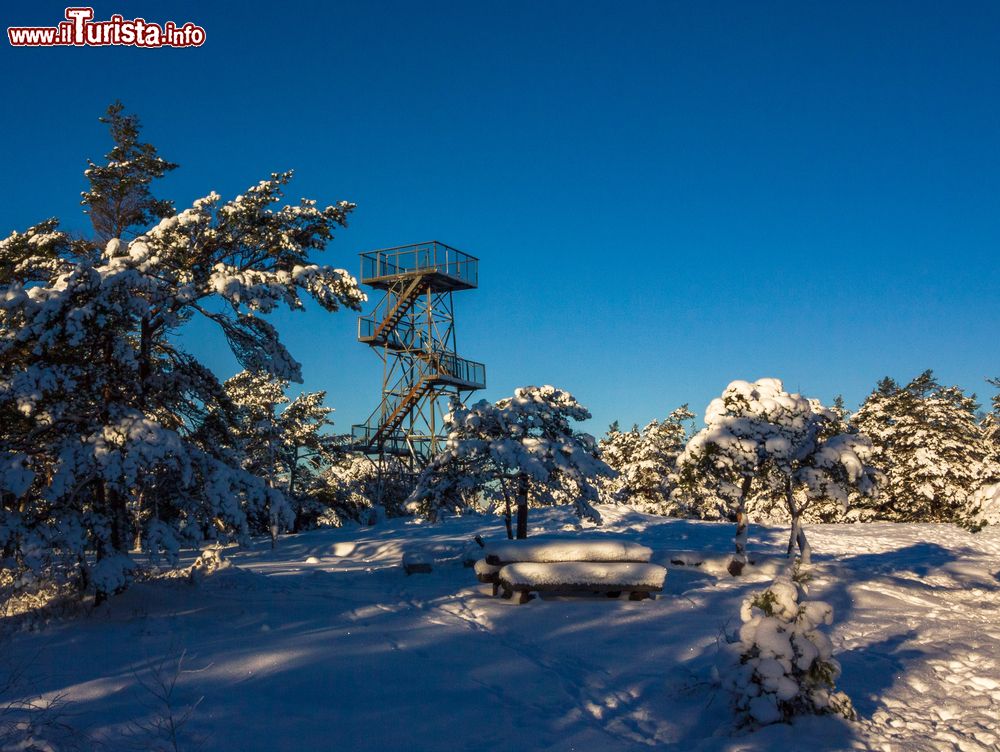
(598, 565)
(489, 574)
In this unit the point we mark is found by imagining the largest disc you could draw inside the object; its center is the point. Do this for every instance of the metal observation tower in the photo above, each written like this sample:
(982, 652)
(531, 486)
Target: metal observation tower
(413, 331)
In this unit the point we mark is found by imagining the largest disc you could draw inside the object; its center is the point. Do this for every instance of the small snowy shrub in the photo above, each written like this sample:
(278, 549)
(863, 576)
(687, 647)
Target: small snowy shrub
(209, 562)
(780, 664)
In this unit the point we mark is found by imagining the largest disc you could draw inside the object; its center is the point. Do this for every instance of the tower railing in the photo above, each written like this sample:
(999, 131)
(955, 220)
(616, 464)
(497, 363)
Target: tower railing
(452, 367)
(363, 435)
(401, 337)
(430, 257)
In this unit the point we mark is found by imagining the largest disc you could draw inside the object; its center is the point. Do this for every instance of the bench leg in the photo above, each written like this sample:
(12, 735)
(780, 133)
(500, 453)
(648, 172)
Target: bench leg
(523, 596)
(613, 593)
(638, 595)
(496, 589)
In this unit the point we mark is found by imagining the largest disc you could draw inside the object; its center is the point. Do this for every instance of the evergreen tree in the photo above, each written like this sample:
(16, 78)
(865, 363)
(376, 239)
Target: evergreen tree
(119, 199)
(756, 433)
(991, 426)
(350, 489)
(617, 448)
(522, 441)
(282, 441)
(841, 415)
(258, 428)
(103, 435)
(646, 463)
(928, 443)
(307, 449)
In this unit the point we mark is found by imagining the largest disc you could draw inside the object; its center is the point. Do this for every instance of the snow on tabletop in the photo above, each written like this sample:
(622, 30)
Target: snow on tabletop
(568, 549)
(579, 573)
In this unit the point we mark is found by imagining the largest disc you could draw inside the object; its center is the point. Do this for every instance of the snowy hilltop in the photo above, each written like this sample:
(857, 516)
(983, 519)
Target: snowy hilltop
(313, 645)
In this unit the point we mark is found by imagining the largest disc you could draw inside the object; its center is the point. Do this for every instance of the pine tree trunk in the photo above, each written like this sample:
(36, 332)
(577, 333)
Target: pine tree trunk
(112, 505)
(797, 536)
(804, 548)
(120, 527)
(522, 505)
(84, 580)
(273, 526)
(793, 512)
(297, 505)
(145, 359)
(506, 510)
(110, 502)
(272, 514)
(739, 560)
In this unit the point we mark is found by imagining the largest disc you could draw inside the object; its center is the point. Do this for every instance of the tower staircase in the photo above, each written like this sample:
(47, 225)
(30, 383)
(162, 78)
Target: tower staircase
(413, 330)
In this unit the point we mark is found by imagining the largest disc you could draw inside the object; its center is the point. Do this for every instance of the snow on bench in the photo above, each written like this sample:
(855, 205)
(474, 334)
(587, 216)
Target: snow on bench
(638, 579)
(418, 561)
(542, 550)
(488, 573)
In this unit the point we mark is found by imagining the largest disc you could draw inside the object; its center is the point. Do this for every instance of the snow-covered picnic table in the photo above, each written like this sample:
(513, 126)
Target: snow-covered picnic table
(604, 565)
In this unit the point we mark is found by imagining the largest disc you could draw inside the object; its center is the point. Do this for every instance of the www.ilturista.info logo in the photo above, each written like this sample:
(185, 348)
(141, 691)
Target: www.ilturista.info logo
(80, 30)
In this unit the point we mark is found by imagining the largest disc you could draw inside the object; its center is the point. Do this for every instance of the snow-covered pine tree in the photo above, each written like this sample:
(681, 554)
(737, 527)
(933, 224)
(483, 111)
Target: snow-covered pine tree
(991, 426)
(256, 397)
(100, 406)
(757, 433)
(344, 492)
(348, 488)
(646, 463)
(841, 414)
(521, 441)
(984, 505)
(119, 199)
(307, 448)
(282, 442)
(929, 445)
(616, 449)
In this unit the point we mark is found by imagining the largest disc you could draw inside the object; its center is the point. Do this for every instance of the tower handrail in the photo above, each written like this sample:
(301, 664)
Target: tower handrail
(430, 257)
(460, 369)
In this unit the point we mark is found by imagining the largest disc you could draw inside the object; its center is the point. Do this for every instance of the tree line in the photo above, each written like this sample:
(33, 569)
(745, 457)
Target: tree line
(935, 457)
(920, 452)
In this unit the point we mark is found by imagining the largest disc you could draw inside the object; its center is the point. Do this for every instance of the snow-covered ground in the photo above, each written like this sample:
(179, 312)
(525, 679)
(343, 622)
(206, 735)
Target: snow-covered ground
(326, 644)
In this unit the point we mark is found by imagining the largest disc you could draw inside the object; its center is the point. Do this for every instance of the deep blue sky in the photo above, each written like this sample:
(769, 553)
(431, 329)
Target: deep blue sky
(665, 196)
